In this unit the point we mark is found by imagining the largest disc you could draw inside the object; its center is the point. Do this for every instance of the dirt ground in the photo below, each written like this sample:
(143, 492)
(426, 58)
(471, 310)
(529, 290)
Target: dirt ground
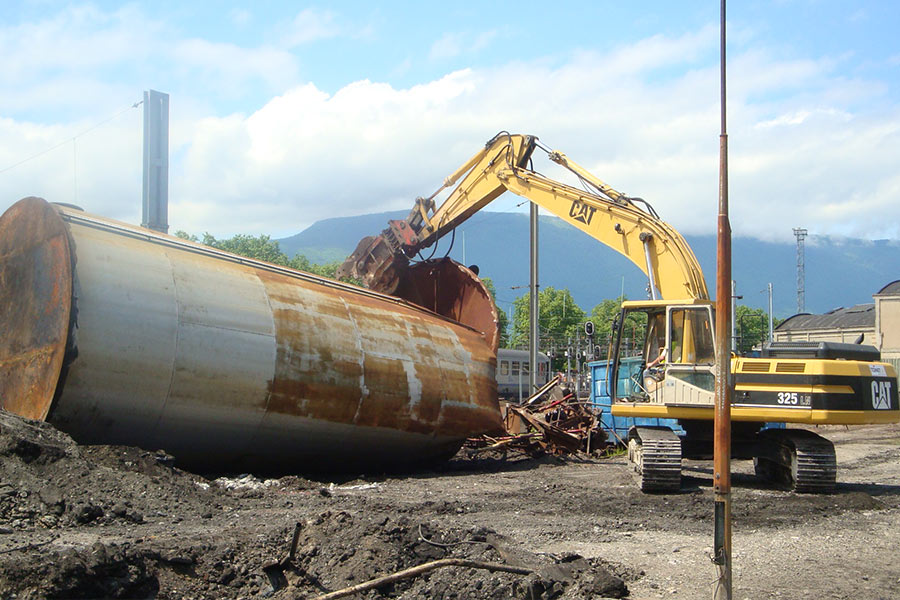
(84, 522)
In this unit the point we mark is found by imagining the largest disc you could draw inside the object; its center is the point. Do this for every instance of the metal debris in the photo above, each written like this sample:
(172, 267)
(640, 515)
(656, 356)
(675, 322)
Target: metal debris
(551, 421)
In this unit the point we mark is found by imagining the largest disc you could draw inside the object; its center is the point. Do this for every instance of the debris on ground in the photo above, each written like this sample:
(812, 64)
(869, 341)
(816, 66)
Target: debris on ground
(119, 522)
(124, 522)
(552, 421)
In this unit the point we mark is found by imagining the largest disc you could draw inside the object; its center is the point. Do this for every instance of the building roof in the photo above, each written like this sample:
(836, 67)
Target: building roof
(855, 317)
(891, 289)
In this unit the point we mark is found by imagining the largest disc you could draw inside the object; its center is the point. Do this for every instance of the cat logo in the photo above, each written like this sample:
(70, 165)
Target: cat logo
(582, 212)
(881, 395)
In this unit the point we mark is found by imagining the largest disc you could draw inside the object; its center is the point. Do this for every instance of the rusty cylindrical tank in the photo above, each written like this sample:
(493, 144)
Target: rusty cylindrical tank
(120, 335)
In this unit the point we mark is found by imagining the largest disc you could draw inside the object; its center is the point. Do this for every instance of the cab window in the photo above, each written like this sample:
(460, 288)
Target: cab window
(691, 336)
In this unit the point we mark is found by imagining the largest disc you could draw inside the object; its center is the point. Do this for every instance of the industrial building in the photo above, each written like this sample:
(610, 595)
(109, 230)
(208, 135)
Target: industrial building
(876, 324)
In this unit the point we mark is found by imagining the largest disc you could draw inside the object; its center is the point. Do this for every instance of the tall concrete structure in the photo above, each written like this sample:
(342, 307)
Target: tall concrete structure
(155, 214)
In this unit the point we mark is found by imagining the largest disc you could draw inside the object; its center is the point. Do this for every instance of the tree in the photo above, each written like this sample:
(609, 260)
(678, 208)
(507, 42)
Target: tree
(603, 315)
(263, 248)
(559, 317)
(259, 247)
(752, 327)
(329, 270)
(502, 319)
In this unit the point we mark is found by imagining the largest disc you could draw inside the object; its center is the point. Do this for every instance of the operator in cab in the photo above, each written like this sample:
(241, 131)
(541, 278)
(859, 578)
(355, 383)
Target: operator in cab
(654, 353)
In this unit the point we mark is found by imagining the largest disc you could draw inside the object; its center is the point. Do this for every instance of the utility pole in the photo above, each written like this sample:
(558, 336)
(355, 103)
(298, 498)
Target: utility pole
(771, 320)
(734, 299)
(577, 363)
(722, 422)
(800, 234)
(535, 308)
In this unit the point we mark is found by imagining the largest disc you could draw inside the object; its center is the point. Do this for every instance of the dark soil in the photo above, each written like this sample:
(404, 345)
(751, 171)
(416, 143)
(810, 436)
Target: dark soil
(122, 522)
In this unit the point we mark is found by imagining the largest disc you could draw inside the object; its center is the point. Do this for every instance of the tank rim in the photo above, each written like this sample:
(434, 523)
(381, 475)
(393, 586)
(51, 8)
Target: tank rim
(36, 281)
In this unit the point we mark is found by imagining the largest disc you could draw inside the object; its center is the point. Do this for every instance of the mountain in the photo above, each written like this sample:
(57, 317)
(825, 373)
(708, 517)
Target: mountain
(839, 271)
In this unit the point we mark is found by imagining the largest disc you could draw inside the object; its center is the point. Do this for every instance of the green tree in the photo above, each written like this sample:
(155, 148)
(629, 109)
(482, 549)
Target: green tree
(603, 315)
(559, 317)
(262, 247)
(186, 236)
(329, 270)
(502, 319)
(751, 327)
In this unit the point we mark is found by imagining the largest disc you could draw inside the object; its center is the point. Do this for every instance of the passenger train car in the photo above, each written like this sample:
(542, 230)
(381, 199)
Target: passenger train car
(513, 373)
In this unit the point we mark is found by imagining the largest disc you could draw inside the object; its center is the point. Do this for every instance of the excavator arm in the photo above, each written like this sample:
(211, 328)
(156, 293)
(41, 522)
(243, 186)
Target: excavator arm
(628, 225)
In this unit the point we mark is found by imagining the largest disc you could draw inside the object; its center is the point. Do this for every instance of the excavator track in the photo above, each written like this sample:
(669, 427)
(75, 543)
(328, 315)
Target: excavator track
(803, 460)
(655, 455)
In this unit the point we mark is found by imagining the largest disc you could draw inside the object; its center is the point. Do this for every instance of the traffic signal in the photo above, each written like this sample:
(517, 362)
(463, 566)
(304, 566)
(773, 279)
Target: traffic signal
(589, 328)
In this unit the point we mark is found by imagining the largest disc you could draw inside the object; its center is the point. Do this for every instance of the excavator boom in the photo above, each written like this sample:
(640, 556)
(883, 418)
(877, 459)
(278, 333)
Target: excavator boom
(605, 214)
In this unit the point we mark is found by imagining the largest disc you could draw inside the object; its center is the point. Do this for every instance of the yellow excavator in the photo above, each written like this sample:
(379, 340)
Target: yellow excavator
(806, 383)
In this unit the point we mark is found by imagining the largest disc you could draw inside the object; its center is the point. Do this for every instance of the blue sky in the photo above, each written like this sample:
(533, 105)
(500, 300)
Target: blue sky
(283, 113)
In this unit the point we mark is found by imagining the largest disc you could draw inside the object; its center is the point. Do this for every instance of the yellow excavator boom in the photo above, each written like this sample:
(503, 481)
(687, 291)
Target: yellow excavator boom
(627, 225)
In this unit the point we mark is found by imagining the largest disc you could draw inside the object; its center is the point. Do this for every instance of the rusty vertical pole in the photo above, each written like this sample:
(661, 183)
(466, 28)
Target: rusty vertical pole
(535, 311)
(722, 424)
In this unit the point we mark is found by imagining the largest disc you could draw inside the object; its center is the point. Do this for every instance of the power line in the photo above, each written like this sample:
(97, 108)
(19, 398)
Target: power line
(71, 139)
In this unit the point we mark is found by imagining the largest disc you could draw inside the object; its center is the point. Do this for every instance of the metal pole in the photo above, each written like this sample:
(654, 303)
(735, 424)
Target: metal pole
(771, 321)
(722, 423)
(535, 308)
(568, 359)
(520, 383)
(734, 299)
(577, 363)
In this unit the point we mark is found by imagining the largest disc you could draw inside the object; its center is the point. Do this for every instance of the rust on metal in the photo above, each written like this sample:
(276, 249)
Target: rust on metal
(450, 289)
(353, 372)
(378, 267)
(551, 421)
(35, 306)
(224, 360)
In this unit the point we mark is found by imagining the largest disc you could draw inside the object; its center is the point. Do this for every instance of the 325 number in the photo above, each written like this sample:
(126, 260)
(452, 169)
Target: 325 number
(788, 398)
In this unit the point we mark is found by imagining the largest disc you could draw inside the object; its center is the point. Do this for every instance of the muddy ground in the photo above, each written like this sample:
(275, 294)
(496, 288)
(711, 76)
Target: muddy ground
(123, 522)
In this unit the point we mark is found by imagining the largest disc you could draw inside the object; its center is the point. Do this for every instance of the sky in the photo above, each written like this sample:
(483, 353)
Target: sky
(285, 113)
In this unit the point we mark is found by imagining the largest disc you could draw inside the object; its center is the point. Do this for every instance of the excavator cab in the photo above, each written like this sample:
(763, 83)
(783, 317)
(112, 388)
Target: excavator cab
(673, 361)
(670, 371)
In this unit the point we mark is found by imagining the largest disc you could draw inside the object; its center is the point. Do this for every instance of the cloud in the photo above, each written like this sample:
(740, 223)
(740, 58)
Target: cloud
(60, 56)
(229, 68)
(454, 44)
(805, 148)
(240, 17)
(310, 25)
(371, 147)
(83, 59)
(99, 170)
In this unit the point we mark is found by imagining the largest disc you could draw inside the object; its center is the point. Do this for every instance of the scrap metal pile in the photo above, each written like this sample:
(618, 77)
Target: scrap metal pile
(551, 421)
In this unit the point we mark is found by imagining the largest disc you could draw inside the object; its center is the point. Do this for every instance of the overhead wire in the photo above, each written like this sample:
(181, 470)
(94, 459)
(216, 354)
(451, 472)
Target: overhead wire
(71, 139)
